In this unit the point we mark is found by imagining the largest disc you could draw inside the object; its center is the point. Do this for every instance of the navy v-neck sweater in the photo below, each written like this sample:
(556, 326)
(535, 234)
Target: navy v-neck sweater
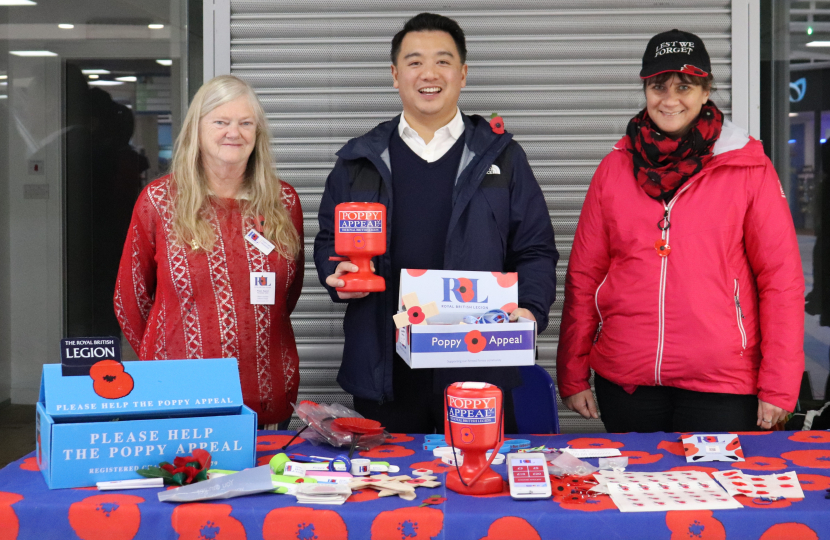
(422, 199)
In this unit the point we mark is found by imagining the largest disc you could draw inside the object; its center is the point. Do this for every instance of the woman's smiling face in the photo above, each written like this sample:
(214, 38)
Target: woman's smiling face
(674, 105)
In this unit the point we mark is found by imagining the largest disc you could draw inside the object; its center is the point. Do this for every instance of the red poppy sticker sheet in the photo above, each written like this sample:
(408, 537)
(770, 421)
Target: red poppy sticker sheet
(664, 496)
(770, 486)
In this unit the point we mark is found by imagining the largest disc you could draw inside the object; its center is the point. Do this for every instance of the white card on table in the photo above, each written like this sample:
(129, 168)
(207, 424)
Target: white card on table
(592, 452)
(259, 242)
(712, 448)
(263, 287)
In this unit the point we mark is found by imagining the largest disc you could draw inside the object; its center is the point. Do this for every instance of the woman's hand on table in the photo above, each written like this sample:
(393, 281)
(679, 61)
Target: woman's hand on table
(583, 403)
(769, 415)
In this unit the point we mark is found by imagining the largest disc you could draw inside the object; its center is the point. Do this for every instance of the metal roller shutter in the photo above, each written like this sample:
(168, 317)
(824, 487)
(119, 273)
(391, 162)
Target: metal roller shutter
(562, 74)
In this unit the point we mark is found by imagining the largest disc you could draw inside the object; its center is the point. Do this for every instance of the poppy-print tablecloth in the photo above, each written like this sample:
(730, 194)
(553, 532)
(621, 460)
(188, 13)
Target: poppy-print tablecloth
(29, 510)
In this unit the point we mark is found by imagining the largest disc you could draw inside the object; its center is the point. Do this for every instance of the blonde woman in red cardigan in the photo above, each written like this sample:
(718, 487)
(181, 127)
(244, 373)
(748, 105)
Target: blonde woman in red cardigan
(187, 276)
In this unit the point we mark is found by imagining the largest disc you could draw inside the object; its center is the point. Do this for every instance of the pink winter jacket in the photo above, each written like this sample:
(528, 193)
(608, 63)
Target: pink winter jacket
(723, 312)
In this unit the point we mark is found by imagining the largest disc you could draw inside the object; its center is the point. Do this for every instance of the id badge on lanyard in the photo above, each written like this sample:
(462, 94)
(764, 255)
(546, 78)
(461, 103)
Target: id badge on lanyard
(263, 284)
(263, 287)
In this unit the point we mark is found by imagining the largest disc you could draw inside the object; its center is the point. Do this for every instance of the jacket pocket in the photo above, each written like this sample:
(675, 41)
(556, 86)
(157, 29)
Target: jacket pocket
(739, 313)
(596, 303)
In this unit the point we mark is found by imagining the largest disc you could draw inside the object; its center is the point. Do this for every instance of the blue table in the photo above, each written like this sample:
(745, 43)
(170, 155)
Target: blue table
(29, 510)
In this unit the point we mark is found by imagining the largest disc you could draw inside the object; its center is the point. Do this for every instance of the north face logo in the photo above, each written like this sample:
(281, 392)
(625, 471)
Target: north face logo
(494, 169)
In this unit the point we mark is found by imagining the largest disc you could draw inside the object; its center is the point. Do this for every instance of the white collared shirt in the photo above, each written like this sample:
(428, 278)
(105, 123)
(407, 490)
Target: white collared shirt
(443, 139)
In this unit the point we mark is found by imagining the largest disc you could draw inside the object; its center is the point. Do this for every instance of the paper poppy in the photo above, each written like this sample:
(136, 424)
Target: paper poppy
(432, 500)
(815, 459)
(761, 463)
(672, 447)
(416, 315)
(411, 523)
(810, 436)
(112, 516)
(385, 451)
(8, 518)
(510, 528)
(199, 521)
(685, 524)
(497, 124)
(295, 522)
(635, 457)
(813, 482)
(184, 470)
(109, 380)
(475, 341)
(506, 279)
(789, 531)
(591, 442)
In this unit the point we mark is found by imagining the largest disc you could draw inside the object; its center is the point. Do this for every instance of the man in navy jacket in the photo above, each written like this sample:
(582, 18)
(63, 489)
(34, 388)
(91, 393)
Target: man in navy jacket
(460, 195)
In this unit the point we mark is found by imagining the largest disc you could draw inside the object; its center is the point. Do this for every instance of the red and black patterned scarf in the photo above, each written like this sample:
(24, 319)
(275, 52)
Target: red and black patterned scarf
(662, 164)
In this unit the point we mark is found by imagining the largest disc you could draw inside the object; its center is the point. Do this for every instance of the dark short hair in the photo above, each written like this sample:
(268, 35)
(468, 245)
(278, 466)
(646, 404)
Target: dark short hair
(685, 78)
(431, 22)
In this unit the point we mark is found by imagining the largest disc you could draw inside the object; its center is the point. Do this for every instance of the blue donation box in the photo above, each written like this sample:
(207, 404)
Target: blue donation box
(124, 416)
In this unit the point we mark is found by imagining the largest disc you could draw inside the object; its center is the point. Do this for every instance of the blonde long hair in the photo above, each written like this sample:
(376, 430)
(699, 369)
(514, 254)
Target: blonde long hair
(191, 207)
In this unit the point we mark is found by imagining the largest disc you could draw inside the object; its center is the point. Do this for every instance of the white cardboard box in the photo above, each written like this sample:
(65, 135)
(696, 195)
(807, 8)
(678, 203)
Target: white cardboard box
(443, 344)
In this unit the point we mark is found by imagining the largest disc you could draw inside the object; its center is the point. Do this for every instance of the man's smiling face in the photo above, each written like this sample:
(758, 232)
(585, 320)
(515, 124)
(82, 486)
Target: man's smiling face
(429, 76)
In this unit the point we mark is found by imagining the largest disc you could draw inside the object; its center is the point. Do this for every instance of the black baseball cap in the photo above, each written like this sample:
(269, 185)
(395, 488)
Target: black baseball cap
(675, 51)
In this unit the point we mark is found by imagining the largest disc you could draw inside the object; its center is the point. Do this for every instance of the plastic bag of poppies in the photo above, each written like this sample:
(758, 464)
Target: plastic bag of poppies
(184, 470)
(320, 418)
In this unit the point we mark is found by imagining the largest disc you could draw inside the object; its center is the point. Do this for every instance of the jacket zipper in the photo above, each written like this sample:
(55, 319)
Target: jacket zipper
(596, 303)
(664, 224)
(740, 313)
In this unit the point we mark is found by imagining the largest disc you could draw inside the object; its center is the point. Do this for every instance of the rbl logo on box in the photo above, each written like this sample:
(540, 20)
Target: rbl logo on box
(462, 290)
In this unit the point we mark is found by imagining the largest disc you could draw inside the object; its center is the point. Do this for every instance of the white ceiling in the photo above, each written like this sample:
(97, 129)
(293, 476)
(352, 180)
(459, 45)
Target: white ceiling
(86, 11)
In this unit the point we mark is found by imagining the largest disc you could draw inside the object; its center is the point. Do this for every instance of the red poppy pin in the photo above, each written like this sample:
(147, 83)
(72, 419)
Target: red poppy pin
(415, 313)
(497, 123)
(433, 499)
(184, 470)
(662, 248)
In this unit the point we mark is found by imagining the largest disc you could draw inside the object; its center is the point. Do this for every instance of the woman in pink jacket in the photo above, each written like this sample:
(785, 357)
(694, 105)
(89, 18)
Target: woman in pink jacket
(684, 291)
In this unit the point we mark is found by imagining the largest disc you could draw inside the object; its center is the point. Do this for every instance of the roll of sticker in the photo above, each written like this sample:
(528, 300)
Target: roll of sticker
(360, 467)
